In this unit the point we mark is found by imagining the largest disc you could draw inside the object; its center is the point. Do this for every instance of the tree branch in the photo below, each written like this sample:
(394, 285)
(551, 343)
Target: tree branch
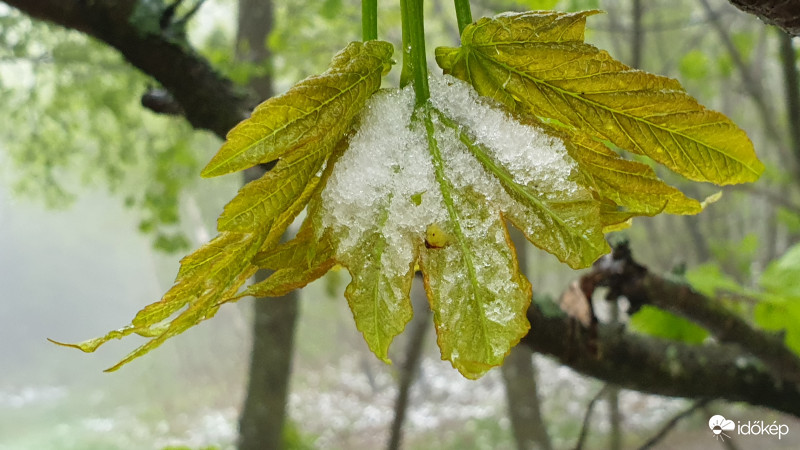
(587, 416)
(660, 367)
(747, 365)
(626, 278)
(782, 13)
(209, 100)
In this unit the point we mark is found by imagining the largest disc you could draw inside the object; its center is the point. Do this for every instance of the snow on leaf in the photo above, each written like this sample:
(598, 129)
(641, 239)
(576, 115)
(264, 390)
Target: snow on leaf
(433, 187)
(524, 62)
(319, 108)
(539, 194)
(476, 293)
(378, 202)
(301, 129)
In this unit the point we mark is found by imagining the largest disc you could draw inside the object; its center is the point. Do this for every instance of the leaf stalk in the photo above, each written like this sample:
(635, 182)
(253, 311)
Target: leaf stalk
(463, 14)
(369, 20)
(414, 48)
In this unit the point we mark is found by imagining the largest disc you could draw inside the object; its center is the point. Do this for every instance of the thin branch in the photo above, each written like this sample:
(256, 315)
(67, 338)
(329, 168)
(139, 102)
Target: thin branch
(209, 100)
(776, 199)
(587, 417)
(672, 422)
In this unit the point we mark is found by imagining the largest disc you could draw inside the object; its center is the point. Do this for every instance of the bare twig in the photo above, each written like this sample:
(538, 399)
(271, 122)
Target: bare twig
(672, 422)
(587, 417)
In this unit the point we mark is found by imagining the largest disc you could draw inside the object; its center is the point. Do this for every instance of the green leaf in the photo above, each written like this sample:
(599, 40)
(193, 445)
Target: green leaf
(780, 314)
(709, 280)
(302, 129)
(532, 63)
(782, 277)
(259, 202)
(207, 277)
(378, 294)
(630, 184)
(658, 323)
(316, 110)
(695, 65)
(476, 293)
(296, 263)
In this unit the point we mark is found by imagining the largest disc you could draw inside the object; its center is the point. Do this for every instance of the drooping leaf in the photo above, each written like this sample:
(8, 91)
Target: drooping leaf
(630, 184)
(319, 108)
(295, 263)
(300, 128)
(537, 63)
(433, 186)
(564, 224)
(259, 202)
(435, 191)
(211, 274)
(378, 294)
(476, 293)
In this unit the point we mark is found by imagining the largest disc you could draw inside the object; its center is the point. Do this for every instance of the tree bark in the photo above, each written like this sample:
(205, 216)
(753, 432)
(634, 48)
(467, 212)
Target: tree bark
(263, 414)
(782, 13)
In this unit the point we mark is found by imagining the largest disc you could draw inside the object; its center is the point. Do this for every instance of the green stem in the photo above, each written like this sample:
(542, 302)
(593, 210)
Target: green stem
(369, 20)
(406, 72)
(414, 28)
(463, 14)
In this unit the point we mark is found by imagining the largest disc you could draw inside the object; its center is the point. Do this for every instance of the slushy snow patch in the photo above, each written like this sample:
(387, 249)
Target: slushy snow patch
(385, 172)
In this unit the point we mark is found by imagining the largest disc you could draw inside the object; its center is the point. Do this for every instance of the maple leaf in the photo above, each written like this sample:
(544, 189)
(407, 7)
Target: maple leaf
(393, 185)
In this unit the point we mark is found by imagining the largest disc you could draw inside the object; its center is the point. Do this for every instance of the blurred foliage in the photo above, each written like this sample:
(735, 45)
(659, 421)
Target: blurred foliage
(774, 305)
(658, 323)
(695, 65)
(779, 308)
(737, 257)
(71, 120)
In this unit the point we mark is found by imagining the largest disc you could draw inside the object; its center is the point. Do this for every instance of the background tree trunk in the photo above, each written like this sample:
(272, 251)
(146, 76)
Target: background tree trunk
(264, 413)
(524, 409)
(415, 346)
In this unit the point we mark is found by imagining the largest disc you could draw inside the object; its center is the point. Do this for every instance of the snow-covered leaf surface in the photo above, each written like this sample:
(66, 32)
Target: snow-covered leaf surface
(433, 188)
